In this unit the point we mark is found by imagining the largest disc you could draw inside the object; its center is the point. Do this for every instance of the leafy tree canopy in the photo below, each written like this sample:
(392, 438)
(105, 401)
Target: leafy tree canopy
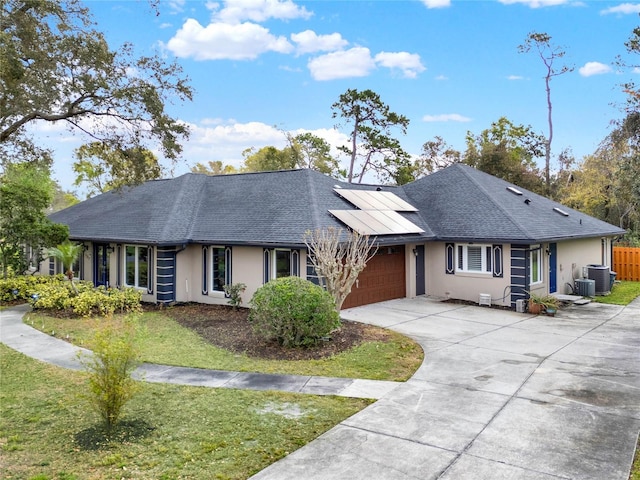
(507, 151)
(371, 122)
(215, 167)
(101, 168)
(305, 150)
(55, 66)
(26, 191)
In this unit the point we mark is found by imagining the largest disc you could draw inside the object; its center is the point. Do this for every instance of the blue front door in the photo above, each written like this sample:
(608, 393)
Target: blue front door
(101, 264)
(553, 267)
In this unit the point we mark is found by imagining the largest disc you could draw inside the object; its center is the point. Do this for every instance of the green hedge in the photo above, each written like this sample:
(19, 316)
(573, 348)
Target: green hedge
(57, 293)
(293, 311)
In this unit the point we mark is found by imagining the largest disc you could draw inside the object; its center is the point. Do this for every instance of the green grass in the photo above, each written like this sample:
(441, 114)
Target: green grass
(167, 342)
(48, 433)
(622, 293)
(635, 469)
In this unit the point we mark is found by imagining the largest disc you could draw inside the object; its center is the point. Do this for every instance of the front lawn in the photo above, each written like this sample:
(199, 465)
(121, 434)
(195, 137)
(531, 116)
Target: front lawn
(48, 433)
(622, 293)
(383, 355)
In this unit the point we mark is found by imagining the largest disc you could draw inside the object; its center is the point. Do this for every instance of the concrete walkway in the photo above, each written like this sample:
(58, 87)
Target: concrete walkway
(33, 343)
(500, 395)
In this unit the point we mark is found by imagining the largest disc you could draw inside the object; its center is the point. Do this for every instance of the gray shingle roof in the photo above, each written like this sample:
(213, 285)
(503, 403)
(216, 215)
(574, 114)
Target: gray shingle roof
(276, 208)
(465, 204)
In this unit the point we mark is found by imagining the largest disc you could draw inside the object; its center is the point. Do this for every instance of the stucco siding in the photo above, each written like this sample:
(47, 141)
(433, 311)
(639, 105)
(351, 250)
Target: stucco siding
(464, 286)
(575, 254)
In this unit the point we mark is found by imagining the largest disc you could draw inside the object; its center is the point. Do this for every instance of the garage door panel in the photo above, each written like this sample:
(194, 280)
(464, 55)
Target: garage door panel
(382, 279)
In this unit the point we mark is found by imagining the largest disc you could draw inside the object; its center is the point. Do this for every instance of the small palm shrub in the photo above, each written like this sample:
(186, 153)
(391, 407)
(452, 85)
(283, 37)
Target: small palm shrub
(293, 311)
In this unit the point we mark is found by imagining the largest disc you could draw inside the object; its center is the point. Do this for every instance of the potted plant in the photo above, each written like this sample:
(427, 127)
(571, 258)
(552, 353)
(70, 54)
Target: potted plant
(543, 304)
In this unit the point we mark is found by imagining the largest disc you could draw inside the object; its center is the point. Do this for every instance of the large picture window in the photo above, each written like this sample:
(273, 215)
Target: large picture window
(137, 266)
(474, 258)
(535, 264)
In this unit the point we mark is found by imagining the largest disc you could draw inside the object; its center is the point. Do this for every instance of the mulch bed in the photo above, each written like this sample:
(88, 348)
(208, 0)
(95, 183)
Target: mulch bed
(230, 329)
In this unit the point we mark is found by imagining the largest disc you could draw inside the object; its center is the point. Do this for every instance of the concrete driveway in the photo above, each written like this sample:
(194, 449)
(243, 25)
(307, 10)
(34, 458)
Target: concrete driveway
(500, 395)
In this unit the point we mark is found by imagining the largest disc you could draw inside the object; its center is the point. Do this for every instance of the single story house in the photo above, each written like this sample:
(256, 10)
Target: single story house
(457, 233)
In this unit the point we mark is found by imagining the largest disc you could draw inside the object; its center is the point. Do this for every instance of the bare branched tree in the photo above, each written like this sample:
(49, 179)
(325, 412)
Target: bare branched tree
(338, 258)
(549, 54)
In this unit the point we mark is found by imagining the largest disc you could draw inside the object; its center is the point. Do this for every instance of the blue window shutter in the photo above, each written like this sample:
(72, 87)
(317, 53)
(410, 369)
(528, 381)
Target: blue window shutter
(266, 265)
(205, 267)
(497, 261)
(295, 263)
(450, 259)
(150, 269)
(118, 266)
(227, 266)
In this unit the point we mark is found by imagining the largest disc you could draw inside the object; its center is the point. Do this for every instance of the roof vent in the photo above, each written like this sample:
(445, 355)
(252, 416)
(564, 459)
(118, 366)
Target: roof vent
(560, 211)
(527, 201)
(514, 190)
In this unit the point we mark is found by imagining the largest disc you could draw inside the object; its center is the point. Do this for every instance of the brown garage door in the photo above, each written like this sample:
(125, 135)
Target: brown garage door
(382, 279)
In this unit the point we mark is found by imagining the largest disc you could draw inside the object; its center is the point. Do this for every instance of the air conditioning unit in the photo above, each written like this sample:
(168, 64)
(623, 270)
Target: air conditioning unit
(586, 287)
(484, 299)
(600, 274)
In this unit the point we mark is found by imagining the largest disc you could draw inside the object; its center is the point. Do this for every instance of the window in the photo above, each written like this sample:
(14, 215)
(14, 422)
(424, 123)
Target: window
(137, 266)
(535, 264)
(474, 258)
(280, 263)
(220, 268)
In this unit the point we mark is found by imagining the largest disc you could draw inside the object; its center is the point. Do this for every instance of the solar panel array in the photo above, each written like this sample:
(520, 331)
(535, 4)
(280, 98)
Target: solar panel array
(378, 214)
(375, 200)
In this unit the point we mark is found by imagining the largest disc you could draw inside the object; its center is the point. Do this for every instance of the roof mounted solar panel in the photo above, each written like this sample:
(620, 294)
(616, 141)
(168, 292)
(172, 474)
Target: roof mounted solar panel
(376, 222)
(375, 200)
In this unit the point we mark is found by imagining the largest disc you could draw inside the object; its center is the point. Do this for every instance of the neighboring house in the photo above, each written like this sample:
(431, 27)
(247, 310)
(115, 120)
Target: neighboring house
(457, 233)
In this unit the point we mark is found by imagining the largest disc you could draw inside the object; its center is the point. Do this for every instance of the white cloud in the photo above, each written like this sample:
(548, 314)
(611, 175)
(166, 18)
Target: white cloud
(446, 117)
(217, 41)
(442, 77)
(515, 77)
(355, 62)
(437, 3)
(535, 3)
(234, 11)
(309, 42)
(165, 25)
(408, 63)
(594, 68)
(623, 8)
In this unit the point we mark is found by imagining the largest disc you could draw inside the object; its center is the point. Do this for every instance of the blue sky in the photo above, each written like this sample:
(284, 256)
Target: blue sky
(258, 66)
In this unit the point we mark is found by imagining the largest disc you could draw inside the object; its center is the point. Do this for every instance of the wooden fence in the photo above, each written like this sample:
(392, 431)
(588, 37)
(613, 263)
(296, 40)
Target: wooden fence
(626, 263)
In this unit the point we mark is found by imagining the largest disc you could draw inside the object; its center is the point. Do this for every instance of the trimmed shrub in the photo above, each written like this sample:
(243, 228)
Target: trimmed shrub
(293, 311)
(23, 287)
(57, 293)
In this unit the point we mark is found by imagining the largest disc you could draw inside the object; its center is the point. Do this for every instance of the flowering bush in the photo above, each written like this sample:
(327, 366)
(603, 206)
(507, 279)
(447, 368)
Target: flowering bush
(56, 293)
(22, 287)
